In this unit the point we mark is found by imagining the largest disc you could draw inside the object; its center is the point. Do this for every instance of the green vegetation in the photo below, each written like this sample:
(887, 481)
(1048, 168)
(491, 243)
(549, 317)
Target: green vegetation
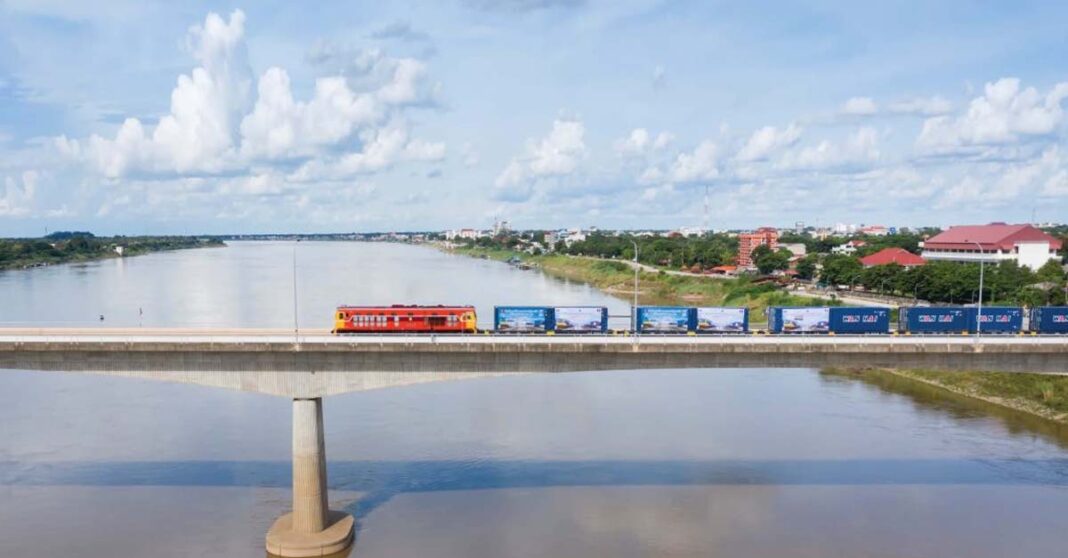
(768, 261)
(674, 252)
(66, 247)
(616, 277)
(1042, 395)
(953, 282)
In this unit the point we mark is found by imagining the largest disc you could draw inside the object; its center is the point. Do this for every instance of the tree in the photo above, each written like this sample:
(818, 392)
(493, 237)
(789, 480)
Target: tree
(841, 270)
(806, 267)
(769, 262)
(1051, 272)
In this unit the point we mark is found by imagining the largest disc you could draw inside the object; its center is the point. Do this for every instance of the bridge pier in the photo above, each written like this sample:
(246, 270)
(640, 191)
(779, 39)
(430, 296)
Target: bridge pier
(311, 529)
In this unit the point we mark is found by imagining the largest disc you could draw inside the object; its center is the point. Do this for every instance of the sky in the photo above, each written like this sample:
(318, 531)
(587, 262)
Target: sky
(137, 117)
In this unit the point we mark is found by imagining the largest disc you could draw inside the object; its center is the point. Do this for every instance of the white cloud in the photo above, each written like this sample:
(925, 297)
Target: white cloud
(924, 106)
(768, 140)
(640, 141)
(701, 164)
(214, 127)
(1003, 115)
(860, 106)
(557, 154)
(19, 193)
(198, 134)
(859, 150)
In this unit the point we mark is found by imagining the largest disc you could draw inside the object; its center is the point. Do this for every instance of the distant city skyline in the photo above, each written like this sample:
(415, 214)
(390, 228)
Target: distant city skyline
(185, 118)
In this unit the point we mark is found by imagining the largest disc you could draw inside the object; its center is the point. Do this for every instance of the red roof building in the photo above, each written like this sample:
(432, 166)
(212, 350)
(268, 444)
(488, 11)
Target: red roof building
(888, 256)
(996, 242)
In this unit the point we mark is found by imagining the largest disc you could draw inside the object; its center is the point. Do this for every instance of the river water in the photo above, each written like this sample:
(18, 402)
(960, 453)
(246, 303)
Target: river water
(689, 463)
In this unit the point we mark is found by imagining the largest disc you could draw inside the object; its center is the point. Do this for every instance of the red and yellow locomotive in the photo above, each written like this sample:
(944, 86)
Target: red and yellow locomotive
(405, 319)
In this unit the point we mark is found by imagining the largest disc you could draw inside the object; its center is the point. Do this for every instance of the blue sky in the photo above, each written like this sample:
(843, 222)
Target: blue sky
(138, 117)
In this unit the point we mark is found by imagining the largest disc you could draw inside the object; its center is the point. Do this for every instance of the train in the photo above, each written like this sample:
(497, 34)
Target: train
(690, 320)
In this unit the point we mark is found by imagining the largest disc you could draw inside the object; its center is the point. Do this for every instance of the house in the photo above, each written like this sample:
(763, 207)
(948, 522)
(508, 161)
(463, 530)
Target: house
(888, 256)
(849, 248)
(993, 243)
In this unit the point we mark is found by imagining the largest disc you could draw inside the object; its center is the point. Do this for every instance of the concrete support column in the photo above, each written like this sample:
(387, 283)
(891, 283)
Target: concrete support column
(309, 466)
(312, 529)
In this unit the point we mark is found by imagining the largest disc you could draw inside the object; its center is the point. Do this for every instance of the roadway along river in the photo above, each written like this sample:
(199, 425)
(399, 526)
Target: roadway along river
(747, 463)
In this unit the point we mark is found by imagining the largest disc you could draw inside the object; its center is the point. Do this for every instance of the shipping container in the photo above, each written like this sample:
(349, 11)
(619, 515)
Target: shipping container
(1049, 319)
(848, 319)
(935, 319)
(799, 320)
(720, 320)
(664, 319)
(523, 319)
(580, 319)
(998, 319)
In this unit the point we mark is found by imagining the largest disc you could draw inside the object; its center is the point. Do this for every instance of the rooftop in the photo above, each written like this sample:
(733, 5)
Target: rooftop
(995, 236)
(887, 256)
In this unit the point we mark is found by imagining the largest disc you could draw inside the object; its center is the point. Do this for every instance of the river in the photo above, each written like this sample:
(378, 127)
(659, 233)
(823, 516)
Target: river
(689, 463)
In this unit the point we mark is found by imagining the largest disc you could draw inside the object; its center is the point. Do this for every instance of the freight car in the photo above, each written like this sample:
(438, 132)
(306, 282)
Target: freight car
(960, 319)
(824, 319)
(1048, 319)
(550, 319)
(401, 318)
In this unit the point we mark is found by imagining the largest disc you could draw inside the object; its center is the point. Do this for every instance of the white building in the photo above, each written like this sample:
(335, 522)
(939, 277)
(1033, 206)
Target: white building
(993, 243)
(849, 248)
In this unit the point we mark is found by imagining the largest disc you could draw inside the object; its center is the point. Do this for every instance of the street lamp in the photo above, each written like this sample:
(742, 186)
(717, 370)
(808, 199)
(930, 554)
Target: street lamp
(979, 314)
(634, 307)
(296, 322)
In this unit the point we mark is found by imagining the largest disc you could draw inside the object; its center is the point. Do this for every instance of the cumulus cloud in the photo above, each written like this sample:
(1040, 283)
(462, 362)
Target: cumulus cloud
(19, 193)
(859, 150)
(214, 127)
(860, 106)
(700, 164)
(768, 140)
(923, 106)
(198, 134)
(1004, 114)
(640, 142)
(557, 154)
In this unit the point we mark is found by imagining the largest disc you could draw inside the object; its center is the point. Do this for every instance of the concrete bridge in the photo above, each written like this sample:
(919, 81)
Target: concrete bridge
(309, 365)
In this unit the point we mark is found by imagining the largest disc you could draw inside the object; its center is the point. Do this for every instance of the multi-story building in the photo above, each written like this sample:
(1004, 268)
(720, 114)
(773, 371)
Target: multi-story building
(747, 242)
(993, 243)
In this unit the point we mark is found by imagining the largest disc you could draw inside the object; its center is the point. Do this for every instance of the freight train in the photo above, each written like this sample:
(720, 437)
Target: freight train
(682, 320)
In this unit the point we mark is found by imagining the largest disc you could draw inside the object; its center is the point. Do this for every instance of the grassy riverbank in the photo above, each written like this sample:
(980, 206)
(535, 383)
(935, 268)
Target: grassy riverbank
(1036, 394)
(617, 278)
(20, 253)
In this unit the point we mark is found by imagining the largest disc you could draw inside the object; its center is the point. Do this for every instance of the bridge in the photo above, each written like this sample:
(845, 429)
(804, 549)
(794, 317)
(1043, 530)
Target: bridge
(308, 365)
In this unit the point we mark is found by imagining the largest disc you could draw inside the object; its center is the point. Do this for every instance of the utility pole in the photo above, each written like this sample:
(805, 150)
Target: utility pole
(979, 314)
(634, 307)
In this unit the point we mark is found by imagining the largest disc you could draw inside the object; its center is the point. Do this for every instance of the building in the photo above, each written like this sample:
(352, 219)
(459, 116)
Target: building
(993, 243)
(887, 256)
(796, 248)
(747, 242)
(470, 234)
(849, 248)
(875, 230)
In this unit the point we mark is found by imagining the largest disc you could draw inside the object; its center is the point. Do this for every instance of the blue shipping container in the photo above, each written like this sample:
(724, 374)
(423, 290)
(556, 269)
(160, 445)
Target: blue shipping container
(523, 319)
(998, 319)
(580, 319)
(799, 320)
(664, 319)
(936, 319)
(1049, 319)
(845, 319)
(720, 320)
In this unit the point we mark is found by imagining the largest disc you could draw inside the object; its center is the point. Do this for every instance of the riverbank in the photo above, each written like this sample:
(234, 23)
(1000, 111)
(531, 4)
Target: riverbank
(30, 253)
(655, 288)
(1038, 395)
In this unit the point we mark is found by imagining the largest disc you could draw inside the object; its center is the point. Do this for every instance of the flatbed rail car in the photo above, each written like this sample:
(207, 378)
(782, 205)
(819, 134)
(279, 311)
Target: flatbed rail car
(400, 318)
